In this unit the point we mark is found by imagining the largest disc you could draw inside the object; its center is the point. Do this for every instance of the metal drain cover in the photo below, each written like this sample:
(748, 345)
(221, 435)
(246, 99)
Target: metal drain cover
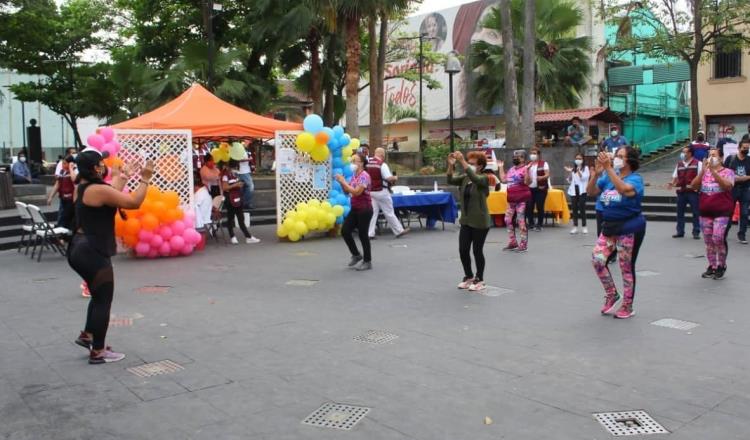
(629, 423)
(156, 368)
(153, 289)
(302, 283)
(676, 324)
(336, 416)
(375, 337)
(647, 273)
(493, 291)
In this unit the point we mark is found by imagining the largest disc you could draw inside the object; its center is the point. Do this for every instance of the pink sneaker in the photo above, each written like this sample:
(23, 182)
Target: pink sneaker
(105, 356)
(625, 312)
(85, 292)
(477, 286)
(466, 283)
(609, 303)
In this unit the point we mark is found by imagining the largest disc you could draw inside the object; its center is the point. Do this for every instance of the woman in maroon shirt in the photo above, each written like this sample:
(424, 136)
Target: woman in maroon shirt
(361, 213)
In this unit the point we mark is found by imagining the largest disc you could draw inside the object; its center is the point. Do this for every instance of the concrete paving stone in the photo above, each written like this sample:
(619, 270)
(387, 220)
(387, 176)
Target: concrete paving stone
(31, 432)
(197, 377)
(713, 424)
(735, 405)
(154, 388)
(233, 429)
(186, 411)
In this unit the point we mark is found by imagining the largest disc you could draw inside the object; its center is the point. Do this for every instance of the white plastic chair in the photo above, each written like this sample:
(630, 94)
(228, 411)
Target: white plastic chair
(27, 229)
(46, 235)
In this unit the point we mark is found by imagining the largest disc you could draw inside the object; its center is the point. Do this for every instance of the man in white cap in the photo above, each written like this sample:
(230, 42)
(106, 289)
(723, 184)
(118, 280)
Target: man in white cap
(381, 177)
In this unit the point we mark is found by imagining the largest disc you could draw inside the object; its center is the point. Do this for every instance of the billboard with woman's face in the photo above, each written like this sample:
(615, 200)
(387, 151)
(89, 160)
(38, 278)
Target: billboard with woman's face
(447, 30)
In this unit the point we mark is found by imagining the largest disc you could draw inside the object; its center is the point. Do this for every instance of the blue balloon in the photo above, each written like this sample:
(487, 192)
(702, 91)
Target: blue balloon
(338, 131)
(337, 171)
(344, 141)
(346, 210)
(332, 200)
(313, 124)
(337, 162)
(348, 172)
(336, 186)
(328, 131)
(342, 200)
(339, 219)
(334, 194)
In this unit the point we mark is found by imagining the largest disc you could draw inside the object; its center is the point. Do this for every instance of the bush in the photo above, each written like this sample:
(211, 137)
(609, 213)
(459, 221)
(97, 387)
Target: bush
(434, 156)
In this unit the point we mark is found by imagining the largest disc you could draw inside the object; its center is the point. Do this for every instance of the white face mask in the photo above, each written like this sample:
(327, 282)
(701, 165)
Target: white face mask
(533, 157)
(682, 157)
(615, 133)
(579, 162)
(353, 167)
(714, 161)
(22, 159)
(618, 163)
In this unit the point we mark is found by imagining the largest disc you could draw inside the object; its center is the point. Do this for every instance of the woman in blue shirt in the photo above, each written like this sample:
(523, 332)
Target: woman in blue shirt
(620, 192)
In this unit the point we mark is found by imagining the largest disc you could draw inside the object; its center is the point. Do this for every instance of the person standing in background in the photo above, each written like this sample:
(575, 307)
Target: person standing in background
(210, 175)
(579, 177)
(381, 178)
(70, 151)
(539, 171)
(740, 164)
(576, 133)
(245, 174)
(65, 188)
(699, 146)
(231, 185)
(615, 140)
(518, 193)
(682, 178)
(727, 139)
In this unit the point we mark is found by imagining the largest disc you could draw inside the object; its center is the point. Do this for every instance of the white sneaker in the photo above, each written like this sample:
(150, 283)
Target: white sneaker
(477, 286)
(465, 284)
(585, 230)
(252, 240)
(234, 240)
(574, 231)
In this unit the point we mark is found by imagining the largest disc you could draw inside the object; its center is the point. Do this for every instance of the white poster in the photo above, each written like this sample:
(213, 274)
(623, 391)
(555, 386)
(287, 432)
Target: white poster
(285, 160)
(302, 172)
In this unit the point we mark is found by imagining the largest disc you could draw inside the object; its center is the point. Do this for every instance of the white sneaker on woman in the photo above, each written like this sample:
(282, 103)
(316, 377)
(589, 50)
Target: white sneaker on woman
(574, 231)
(234, 240)
(252, 240)
(585, 230)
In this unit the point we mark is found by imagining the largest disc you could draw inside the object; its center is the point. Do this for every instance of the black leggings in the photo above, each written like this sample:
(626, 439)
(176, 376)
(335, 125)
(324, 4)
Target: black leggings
(361, 221)
(466, 237)
(538, 197)
(579, 209)
(96, 270)
(237, 213)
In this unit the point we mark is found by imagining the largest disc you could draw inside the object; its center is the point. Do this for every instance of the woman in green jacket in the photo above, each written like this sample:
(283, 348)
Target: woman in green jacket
(475, 218)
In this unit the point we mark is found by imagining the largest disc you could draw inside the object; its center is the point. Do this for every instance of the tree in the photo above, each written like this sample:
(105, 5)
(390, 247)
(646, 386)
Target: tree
(510, 103)
(691, 35)
(529, 71)
(561, 62)
(39, 39)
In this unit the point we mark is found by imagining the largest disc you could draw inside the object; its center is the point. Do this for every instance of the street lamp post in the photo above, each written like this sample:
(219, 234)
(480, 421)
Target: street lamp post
(452, 67)
(210, 8)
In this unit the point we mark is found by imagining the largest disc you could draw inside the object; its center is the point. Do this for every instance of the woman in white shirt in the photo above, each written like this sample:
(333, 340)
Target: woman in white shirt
(579, 177)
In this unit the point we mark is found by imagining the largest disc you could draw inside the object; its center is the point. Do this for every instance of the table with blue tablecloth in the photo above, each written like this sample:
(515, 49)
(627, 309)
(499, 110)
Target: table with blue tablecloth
(436, 206)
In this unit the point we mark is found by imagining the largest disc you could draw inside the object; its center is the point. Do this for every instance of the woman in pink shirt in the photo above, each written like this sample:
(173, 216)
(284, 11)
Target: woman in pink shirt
(517, 180)
(361, 213)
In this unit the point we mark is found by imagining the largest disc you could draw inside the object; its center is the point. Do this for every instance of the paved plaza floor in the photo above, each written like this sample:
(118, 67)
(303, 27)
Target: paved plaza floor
(260, 336)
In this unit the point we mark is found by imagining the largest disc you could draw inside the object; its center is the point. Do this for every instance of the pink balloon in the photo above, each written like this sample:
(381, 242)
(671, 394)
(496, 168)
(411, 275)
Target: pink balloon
(165, 232)
(189, 219)
(178, 227)
(165, 250)
(116, 145)
(177, 242)
(153, 253)
(195, 236)
(145, 236)
(156, 241)
(189, 236)
(174, 253)
(188, 249)
(142, 249)
(107, 133)
(109, 149)
(96, 141)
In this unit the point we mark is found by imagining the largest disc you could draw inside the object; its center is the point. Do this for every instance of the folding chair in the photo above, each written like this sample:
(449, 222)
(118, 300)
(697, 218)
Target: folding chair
(217, 216)
(27, 229)
(46, 235)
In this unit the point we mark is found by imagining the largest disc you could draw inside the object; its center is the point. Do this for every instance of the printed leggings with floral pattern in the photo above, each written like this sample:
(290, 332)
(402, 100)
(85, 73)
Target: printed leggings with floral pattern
(627, 247)
(519, 209)
(715, 231)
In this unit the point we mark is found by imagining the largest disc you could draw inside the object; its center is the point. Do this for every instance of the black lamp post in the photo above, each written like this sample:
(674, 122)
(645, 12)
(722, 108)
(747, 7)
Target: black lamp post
(452, 67)
(211, 8)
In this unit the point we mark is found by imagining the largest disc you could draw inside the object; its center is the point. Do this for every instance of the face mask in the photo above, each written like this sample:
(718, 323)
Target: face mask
(682, 157)
(615, 133)
(579, 162)
(714, 161)
(353, 167)
(533, 157)
(473, 168)
(516, 161)
(744, 151)
(618, 163)
(22, 159)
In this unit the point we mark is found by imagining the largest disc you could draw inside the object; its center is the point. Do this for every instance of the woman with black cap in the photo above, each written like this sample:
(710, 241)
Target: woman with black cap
(96, 204)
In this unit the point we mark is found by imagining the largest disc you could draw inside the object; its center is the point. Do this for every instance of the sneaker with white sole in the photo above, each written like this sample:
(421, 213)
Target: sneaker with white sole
(105, 356)
(466, 283)
(610, 301)
(585, 230)
(625, 312)
(574, 231)
(234, 240)
(252, 240)
(477, 286)
(85, 292)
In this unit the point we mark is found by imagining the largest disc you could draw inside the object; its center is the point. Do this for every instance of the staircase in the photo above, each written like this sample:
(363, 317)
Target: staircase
(655, 208)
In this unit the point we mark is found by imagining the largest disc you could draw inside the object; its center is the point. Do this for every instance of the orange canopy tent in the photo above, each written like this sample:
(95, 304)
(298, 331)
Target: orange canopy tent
(208, 116)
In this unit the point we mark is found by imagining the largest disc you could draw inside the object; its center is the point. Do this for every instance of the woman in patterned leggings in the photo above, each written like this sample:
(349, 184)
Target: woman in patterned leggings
(517, 180)
(620, 191)
(715, 205)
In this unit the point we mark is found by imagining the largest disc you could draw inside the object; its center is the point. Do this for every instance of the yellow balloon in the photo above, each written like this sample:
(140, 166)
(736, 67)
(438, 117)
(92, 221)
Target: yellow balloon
(281, 231)
(302, 215)
(305, 142)
(313, 203)
(330, 219)
(237, 151)
(312, 224)
(319, 153)
(293, 236)
(300, 228)
(326, 205)
(354, 144)
(338, 210)
(288, 224)
(301, 206)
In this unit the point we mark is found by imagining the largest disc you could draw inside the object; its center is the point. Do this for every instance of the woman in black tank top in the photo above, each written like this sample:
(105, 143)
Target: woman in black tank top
(96, 204)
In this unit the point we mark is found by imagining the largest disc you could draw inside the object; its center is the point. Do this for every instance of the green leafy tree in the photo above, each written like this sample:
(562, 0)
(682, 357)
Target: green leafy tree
(561, 61)
(40, 39)
(691, 34)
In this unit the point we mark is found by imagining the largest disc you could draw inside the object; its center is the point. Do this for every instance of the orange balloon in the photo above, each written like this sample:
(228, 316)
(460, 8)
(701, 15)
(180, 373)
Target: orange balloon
(171, 199)
(173, 214)
(149, 221)
(110, 162)
(119, 226)
(158, 208)
(322, 138)
(153, 193)
(130, 240)
(132, 226)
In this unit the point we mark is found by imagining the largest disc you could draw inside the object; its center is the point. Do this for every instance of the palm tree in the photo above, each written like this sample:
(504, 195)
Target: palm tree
(528, 96)
(510, 88)
(562, 63)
